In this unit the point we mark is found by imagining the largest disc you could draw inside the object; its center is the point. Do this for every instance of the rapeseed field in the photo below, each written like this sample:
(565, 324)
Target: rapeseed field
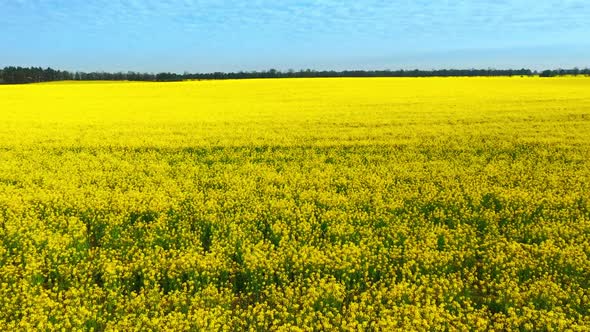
(296, 205)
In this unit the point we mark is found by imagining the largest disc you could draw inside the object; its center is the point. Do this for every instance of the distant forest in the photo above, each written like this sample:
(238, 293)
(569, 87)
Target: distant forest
(20, 75)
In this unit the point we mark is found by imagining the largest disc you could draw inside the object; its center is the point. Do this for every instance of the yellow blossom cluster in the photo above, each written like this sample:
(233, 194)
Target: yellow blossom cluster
(390, 204)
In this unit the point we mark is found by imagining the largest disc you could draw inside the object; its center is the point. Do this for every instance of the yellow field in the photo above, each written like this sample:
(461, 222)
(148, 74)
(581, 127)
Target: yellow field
(302, 204)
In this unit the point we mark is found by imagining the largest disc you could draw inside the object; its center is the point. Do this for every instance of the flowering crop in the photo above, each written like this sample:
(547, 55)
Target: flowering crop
(296, 204)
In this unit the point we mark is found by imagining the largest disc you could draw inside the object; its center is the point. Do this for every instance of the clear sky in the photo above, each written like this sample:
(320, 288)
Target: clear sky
(208, 35)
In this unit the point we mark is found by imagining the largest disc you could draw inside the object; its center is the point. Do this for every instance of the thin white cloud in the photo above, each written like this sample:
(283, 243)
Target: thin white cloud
(327, 16)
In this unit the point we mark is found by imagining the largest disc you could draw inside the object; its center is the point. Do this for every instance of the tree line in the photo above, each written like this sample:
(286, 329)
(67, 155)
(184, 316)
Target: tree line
(21, 75)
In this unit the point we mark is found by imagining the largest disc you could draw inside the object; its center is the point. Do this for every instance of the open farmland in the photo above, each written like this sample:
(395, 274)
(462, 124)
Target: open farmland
(296, 204)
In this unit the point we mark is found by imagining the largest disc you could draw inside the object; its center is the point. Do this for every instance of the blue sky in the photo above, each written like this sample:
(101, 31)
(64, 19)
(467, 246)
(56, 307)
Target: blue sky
(207, 35)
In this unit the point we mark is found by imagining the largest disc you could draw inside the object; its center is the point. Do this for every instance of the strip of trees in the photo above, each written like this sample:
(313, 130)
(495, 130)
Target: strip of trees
(21, 75)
